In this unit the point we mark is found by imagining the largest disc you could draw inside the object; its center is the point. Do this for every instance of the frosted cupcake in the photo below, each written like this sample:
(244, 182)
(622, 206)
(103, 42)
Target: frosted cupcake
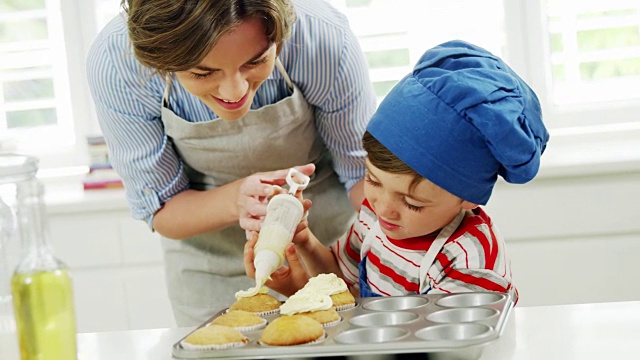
(214, 337)
(240, 320)
(261, 303)
(290, 330)
(335, 287)
(311, 304)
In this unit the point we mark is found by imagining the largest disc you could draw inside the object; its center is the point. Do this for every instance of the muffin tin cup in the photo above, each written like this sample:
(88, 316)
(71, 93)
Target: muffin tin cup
(446, 326)
(371, 335)
(462, 315)
(470, 299)
(390, 318)
(454, 332)
(394, 303)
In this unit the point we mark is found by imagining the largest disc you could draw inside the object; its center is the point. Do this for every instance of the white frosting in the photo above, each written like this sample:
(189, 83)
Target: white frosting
(258, 289)
(305, 301)
(327, 284)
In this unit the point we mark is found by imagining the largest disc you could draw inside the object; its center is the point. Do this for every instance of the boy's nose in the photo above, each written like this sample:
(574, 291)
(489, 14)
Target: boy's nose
(386, 210)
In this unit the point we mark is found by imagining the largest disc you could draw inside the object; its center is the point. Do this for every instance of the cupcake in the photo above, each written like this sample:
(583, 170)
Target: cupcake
(260, 304)
(290, 330)
(314, 305)
(343, 300)
(214, 337)
(330, 284)
(327, 317)
(240, 320)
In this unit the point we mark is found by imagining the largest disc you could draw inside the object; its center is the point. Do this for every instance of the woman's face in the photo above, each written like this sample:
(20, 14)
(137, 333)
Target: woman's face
(404, 213)
(228, 77)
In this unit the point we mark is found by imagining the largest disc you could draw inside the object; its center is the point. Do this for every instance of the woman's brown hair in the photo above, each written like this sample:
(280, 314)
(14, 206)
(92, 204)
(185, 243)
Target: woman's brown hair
(175, 35)
(383, 159)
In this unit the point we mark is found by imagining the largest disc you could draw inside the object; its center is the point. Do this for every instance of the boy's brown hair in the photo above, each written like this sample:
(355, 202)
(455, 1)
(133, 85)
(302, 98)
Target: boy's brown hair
(380, 157)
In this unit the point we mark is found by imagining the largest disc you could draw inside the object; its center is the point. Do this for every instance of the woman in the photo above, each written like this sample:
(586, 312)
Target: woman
(205, 103)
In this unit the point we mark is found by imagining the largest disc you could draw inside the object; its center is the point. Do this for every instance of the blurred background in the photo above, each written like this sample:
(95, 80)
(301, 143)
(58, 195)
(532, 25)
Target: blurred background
(572, 233)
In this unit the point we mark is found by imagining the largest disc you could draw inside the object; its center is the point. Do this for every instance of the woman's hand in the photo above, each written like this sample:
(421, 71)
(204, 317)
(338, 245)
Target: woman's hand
(286, 279)
(254, 192)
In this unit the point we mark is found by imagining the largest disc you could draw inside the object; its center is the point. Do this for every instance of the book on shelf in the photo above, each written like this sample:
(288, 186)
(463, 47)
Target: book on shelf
(102, 177)
(101, 174)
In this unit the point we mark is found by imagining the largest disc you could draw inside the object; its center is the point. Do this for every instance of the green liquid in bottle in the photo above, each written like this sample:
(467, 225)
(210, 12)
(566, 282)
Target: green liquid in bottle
(45, 320)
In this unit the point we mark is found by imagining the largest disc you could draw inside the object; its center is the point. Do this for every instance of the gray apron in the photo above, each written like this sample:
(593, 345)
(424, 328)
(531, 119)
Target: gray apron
(204, 272)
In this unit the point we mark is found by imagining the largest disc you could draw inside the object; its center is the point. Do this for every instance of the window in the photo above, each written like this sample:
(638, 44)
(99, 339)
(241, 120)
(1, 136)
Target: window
(583, 59)
(594, 49)
(393, 44)
(581, 56)
(45, 106)
(34, 87)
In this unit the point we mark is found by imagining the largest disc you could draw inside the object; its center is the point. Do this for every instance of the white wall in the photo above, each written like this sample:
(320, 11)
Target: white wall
(571, 239)
(115, 261)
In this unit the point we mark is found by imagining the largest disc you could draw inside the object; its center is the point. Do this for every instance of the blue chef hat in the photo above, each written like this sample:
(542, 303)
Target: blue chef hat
(461, 118)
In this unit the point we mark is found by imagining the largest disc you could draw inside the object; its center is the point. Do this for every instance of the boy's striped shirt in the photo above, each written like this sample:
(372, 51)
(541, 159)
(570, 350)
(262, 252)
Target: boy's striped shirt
(473, 259)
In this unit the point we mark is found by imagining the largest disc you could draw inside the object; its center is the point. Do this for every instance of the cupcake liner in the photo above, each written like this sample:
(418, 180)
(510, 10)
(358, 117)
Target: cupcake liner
(345, 307)
(320, 339)
(332, 323)
(250, 328)
(187, 346)
(247, 328)
(267, 313)
(259, 313)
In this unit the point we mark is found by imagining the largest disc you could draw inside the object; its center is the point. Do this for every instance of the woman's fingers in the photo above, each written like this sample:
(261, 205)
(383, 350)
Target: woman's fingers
(248, 253)
(278, 177)
(255, 191)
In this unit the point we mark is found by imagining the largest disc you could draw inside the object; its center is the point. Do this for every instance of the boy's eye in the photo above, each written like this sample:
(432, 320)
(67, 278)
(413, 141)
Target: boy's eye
(370, 181)
(412, 207)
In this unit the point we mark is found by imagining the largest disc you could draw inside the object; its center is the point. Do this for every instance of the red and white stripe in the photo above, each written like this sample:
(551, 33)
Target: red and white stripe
(473, 259)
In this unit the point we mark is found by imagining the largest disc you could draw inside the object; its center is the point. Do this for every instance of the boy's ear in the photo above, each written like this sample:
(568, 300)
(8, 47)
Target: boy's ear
(468, 206)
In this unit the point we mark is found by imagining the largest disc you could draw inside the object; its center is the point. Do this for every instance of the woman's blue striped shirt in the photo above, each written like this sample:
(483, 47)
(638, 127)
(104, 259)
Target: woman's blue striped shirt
(322, 57)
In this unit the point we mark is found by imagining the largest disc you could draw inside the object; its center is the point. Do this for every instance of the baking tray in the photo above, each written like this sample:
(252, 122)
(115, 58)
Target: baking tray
(446, 326)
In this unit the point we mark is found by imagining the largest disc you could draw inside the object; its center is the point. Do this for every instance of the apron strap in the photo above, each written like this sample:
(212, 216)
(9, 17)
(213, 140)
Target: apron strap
(167, 89)
(284, 74)
(435, 248)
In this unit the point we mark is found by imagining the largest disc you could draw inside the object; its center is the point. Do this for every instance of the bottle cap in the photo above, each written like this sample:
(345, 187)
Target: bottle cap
(14, 167)
(296, 181)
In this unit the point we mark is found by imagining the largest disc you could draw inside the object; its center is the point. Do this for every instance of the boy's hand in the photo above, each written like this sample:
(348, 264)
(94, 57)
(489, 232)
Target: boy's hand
(286, 279)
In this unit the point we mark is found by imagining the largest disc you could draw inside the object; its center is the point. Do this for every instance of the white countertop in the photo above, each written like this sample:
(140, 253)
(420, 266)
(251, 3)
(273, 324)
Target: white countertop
(588, 331)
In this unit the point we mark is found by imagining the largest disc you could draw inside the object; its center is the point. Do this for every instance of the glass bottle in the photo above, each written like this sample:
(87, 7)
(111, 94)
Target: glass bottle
(41, 285)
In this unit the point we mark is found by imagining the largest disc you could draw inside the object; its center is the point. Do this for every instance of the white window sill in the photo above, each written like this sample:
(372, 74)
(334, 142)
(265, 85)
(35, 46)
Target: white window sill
(593, 152)
(67, 195)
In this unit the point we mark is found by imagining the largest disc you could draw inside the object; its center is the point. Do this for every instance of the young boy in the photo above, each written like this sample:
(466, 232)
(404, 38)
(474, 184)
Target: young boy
(435, 147)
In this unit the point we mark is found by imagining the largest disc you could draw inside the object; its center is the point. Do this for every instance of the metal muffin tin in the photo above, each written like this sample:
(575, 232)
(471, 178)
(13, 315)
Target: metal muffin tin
(447, 326)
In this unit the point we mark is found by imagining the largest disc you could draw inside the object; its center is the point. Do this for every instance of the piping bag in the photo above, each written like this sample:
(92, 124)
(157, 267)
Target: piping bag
(284, 213)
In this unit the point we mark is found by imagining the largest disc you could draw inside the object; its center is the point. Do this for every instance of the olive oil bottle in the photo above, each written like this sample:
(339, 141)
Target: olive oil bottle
(41, 286)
